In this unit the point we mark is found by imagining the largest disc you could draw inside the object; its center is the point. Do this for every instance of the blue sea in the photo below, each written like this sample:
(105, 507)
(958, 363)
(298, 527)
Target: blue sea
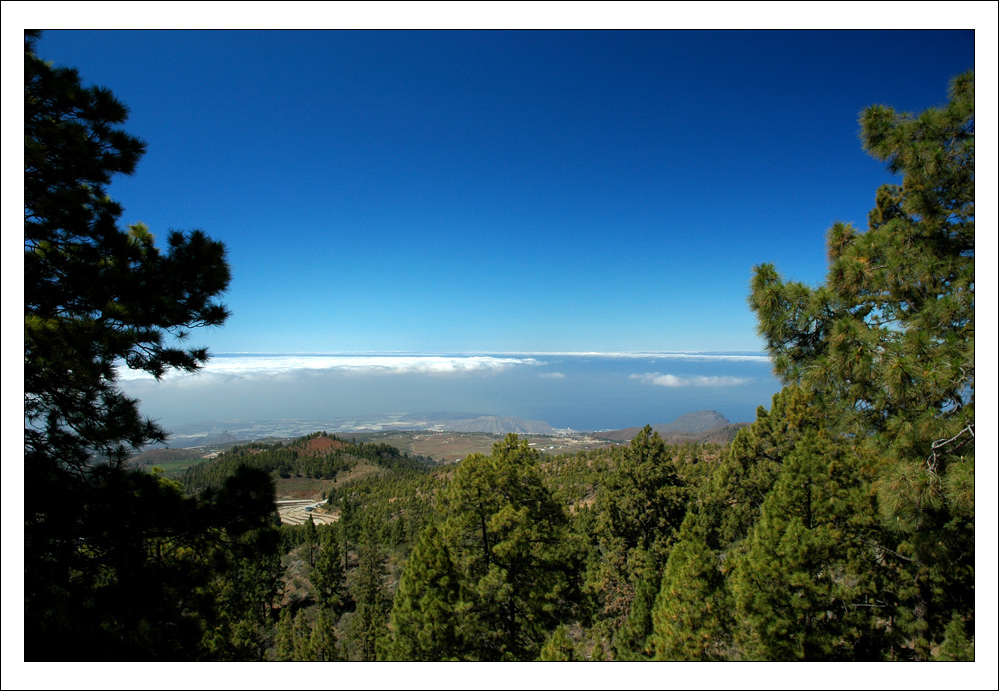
(581, 391)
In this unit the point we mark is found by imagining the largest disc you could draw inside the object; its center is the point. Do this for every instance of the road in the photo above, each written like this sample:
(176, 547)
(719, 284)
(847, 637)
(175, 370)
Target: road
(297, 512)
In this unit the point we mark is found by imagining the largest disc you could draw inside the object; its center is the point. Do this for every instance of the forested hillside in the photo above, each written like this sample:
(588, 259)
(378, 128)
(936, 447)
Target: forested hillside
(316, 456)
(489, 558)
(772, 548)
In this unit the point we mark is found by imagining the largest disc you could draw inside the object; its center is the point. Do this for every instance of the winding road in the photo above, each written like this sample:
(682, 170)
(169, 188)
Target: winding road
(297, 512)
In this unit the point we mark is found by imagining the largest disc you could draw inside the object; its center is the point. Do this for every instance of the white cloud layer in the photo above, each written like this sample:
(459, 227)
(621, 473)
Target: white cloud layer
(245, 365)
(673, 381)
(691, 355)
(256, 365)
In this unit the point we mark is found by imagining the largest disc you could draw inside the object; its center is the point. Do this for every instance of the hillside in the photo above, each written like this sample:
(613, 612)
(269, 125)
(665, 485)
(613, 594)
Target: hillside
(304, 467)
(693, 423)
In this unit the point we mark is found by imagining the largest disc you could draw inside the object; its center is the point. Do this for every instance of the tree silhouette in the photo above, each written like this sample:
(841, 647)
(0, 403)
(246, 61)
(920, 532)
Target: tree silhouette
(116, 562)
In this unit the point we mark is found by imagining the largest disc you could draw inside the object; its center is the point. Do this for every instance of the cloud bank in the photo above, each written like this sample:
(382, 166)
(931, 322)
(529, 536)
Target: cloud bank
(686, 355)
(244, 366)
(249, 365)
(673, 381)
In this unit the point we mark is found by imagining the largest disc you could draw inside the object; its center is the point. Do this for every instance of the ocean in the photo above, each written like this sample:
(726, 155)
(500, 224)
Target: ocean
(580, 391)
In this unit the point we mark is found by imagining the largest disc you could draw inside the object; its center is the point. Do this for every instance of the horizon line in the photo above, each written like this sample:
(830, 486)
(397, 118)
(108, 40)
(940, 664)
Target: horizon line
(470, 353)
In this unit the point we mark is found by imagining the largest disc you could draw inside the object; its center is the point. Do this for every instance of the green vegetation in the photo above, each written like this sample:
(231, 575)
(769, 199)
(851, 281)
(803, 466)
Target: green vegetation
(119, 564)
(887, 344)
(839, 525)
(316, 456)
(506, 542)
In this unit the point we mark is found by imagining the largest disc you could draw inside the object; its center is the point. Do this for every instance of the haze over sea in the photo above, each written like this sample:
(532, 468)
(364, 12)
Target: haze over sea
(582, 391)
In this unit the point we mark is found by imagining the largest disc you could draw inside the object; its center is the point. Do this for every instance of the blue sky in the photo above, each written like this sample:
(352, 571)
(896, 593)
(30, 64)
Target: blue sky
(505, 191)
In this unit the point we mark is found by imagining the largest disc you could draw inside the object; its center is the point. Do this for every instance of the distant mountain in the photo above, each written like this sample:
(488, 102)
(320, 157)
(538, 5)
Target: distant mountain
(701, 426)
(494, 424)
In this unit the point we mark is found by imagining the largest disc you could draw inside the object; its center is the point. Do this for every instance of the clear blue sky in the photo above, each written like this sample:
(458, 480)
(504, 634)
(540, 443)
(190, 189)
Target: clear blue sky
(495, 191)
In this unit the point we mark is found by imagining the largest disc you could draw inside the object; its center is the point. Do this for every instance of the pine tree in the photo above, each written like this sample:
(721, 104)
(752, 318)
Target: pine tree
(311, 540)
(644, 501)
(368, 591)
(598, 654)
(302, 637)
(424, 621)
(807, 587)
(887, 345)
(639, 507)
(327, 577)
(733, 495)
(690, 617)
(631, 641)
(284, 639)
(246, 566)
(323, 639)
(508, 545)
(957, 646)
(558, 647)
(96, 295)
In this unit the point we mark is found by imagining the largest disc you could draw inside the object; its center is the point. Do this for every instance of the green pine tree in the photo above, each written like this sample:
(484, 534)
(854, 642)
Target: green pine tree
(733, 495)
(302, 637)
(957, 645)
(598, 654)
(368, 591)
(114, 560)
(284, 637)
(424, 621)
(631, 641)
(327, 576)
(558, 647)
(323, 639)
(312, 540)
(644, 501)
(807, 585)
(887, 343)
(509, 544)
(690, 618)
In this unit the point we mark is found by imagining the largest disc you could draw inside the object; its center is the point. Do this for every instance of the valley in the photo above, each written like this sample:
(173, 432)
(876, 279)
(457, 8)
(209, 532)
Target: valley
(442, 437)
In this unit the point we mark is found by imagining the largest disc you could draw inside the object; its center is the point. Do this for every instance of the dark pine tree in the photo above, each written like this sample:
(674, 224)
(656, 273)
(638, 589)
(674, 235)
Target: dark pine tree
(115, 561)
